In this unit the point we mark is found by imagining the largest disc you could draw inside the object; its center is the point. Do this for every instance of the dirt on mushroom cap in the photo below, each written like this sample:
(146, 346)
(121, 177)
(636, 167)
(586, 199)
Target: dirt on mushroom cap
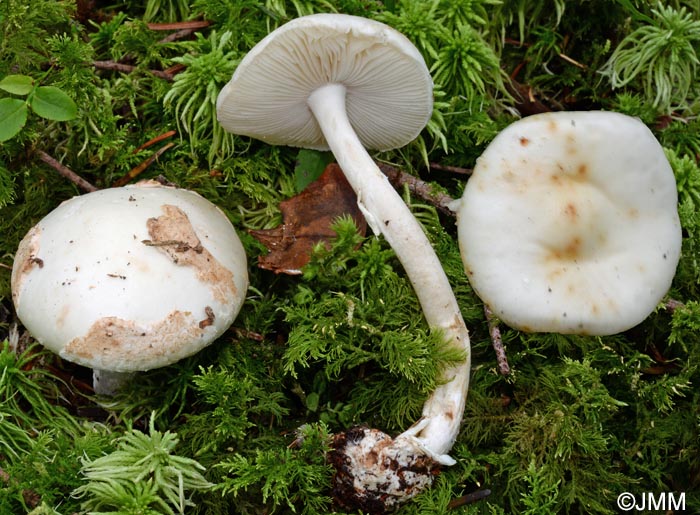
(121, 345)
(26, 259)
(173, 234)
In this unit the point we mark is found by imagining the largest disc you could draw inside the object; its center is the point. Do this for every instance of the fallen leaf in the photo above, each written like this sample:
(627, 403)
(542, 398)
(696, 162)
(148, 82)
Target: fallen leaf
(307, 219)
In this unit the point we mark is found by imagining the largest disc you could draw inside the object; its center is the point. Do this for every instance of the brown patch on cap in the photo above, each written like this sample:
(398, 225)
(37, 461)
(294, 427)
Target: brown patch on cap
(569, 252)
(120, 345)
(556, 272)
(570, 211)
(524, 141)
(173, 234)
(26, 260)
(62, 315)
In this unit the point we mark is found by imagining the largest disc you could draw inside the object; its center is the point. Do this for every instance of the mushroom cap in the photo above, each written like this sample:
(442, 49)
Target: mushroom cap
(389, 95)
(569, 223)
(131, 278)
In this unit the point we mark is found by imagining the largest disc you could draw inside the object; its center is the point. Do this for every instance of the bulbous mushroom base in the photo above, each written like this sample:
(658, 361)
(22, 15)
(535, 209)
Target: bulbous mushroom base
(377, 473)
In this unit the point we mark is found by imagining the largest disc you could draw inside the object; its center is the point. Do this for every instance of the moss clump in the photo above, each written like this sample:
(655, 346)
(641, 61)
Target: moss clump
(578, 421)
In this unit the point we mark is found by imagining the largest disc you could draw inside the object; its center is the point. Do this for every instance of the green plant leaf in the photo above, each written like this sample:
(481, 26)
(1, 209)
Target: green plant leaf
(13, 116)
(17, 84)
(309, 167)
(52, 103)
(312, 401)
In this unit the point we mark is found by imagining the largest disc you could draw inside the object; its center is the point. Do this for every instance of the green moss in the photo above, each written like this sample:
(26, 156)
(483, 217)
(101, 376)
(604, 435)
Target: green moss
(577, 422)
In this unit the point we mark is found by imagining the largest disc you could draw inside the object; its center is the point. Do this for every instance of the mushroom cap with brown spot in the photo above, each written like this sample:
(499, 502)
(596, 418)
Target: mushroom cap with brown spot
(389, 91)
(131, 278)
(569, 223)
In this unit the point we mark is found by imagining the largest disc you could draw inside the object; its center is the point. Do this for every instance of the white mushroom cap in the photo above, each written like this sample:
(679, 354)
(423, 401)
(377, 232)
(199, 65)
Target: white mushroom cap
(389, 90)
(131, 278)
(569, 223)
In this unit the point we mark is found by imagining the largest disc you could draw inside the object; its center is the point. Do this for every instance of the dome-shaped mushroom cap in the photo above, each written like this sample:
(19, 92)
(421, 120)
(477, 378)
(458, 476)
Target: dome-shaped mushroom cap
(131, 278)
(569, 223)
(389, 89)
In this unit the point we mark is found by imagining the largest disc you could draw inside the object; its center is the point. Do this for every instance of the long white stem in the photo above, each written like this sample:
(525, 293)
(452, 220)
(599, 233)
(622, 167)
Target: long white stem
(386, 213)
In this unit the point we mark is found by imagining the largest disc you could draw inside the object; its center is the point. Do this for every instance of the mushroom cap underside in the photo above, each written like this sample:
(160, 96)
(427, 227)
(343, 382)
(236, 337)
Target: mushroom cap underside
(132, 278)
(569, 223)
(389, 95)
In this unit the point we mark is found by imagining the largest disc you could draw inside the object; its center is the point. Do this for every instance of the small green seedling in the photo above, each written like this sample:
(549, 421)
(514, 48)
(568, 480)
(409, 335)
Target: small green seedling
(46, 101)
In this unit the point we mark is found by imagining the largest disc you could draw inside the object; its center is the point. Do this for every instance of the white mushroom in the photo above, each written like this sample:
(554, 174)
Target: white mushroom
(344, 82)
(569, 223)
(129, 279)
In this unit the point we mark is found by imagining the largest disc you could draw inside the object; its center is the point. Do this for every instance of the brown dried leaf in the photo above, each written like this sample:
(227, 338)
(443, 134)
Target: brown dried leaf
(307, 219)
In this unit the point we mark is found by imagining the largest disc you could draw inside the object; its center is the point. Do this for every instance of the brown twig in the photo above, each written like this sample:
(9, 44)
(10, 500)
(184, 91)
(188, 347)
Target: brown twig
(183, 29)
(421, 189)
(175, 36)
(155, 140)
(175, 69)
(179, 25)
(128, 68)
(497, 342)
(135, 171)
(66, 172)
(469, 498)
(452, 169)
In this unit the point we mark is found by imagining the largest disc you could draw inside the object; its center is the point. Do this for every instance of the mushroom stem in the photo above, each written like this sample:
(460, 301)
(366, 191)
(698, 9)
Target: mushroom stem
(387, 214)
(107, 383)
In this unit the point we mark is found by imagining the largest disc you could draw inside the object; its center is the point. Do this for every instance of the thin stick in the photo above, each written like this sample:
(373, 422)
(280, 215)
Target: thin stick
(135, 171)
(470, 498)
(127, 68)
(174, 69)
(183, 29)
(418, 187)
(572, 61)
(180, 25)
(452, 169)
(495, 333)
(66, 172)
(175, 36)
(155, 140)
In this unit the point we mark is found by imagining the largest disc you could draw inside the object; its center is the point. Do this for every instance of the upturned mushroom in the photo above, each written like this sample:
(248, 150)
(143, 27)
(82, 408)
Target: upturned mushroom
(569, 223)
(129, 279)
(345, 83)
